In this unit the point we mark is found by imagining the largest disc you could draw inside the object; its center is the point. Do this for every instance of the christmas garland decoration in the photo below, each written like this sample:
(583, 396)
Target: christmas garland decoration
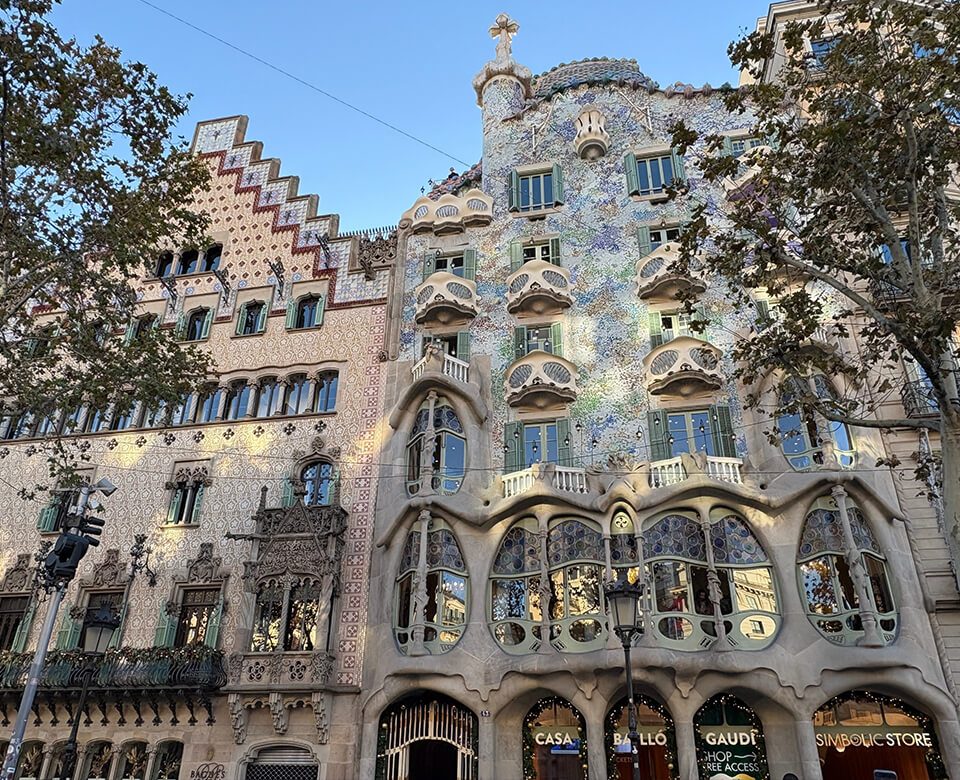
(933, 758)
(610, 725)
(529, 746)
(724, 700)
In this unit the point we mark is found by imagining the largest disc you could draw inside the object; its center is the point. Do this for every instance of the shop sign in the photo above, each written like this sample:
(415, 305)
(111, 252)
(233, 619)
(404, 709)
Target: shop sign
(843, 738)
(731, 753)
(562, 740)
(648, 736)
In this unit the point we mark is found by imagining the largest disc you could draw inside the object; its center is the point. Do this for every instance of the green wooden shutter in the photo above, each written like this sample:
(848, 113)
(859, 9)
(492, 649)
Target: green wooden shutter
(555, 251)
(656, 330)
(516, 255)
(519, 342)
(643, 239)
(557, 185)
(155, 323)
(630, 167)
(262, 317)
(563, 442)
(287, 498)
(556, 338)
(241, 318)
(20, 636)
(470, 264)
(513, 193)
(68, 637)
(173, 511)
(207, 322)
(700, 315)
(213, 623)
(657, 429)
(429, 263)
(130, 331)
(463, 345)
(47, 520)
(180, 329)
(166, 631)
(118, 631)
(721, 425)
(513, 447)
(321, 308)
(679, 173)
(197, 502)
(727, 148)
(291, 313)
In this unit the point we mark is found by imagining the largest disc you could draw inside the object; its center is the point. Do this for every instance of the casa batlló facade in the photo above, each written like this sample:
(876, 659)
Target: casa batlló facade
(378, 540)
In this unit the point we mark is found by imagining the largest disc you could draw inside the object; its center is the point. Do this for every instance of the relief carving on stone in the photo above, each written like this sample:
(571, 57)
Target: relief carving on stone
(19, 577)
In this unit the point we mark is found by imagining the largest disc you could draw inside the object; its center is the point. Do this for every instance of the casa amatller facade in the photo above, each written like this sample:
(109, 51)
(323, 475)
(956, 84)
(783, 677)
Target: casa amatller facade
(378, 540)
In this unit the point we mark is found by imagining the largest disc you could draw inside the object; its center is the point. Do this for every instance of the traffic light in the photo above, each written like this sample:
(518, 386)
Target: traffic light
(91, 528)
(62, 561)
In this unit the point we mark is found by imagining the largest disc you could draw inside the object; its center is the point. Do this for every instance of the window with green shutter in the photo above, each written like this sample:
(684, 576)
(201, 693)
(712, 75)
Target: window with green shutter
(658, 435)
(547, 338)
(463, 346)
(462, 264)
(531, 192)
(650, 175)
(16, 617)
(525, 444)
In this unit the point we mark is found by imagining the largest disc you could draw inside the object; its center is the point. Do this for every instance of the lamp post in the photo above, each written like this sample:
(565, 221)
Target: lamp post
(98, 628)
(623, 601)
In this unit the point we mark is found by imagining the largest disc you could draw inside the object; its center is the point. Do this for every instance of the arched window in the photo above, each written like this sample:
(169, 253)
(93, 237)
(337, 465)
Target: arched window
(318, 483)
(133, 761)
(251, 318)
(267, 390)
(31, 760)
(570, 580)
(197, 325)
(168, 762)
(211, 258)
(684, 610)
(805, 437)
(237, 400)
(445, 611)
(309, 312)
(729, 738)
(657, 750)
(164, 265)
(98, 761)
(188, 261)
(208, 405)
(829, 587)
(554, 741)
(285, 762)
(296, 399)
(449, 448)
(326, 395)
(286, 616)
(186, 411)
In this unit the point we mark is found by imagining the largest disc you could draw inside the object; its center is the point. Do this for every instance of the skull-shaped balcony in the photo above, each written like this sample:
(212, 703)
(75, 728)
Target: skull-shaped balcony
(448, 213)
(445, 299)
(539, 380)
(744, 184)
(684, 366)
(657, 279)
(537, 288)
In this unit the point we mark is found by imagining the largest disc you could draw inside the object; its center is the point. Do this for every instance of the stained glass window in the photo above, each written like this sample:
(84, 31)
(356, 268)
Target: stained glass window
(449, 450)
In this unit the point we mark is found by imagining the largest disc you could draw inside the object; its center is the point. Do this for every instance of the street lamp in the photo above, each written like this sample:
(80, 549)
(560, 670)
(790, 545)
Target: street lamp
(98, 628)
(623, 601)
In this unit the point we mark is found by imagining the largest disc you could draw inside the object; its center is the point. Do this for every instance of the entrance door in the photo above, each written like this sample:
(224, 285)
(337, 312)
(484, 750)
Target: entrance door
(431, 759)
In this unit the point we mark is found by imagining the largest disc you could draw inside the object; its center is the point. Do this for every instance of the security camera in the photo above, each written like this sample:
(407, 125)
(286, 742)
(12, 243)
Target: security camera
(105, 486)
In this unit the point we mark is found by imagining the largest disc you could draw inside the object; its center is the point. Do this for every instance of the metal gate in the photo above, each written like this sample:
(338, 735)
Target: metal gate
(442, 720)
(283, 763)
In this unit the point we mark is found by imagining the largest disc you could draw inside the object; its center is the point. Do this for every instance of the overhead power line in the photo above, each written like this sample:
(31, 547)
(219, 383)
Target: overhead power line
(301, 81)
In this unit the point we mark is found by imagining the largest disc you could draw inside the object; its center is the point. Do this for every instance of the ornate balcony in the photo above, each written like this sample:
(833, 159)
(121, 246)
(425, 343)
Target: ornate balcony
(742, 185)
(656, 280)
(449, 213)
(445, 299)
(592, 139)
(566, 479)
(684, 366)
(538, 287)
(437, 360)
(288, 671)
(540, 380)
(919, 400)
(675, 470)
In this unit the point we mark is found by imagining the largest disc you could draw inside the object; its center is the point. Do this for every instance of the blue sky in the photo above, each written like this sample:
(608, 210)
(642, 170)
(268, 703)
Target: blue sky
(409, 64)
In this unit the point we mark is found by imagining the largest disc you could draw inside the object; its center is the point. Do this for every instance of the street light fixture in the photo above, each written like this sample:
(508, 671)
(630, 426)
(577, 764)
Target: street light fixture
(623, 602)
(98, 628)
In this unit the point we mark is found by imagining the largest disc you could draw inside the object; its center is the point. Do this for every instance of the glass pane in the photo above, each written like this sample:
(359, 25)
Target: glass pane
(791, 429)
(454, 460)
(302, 617)
(701, 592)
(670, 586)
(859, 713)
(677, 428)
(556, 595)
(266, 625)
(877, 573)
(547, 189)
(848, 591)
(656, 183)
(818, 586)
(754, 590)
(643, 177)
(508, 599)
(404, 595)
(667, 165)
(584, 589)
(454, 592)
(433, 586)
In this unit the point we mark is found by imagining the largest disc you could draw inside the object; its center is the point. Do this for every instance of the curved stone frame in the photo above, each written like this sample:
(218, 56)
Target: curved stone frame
(852, 540)
(830, 455)
(429, 438)
(720, 619)
(725, 700)
(424, 554)
(529, 770)
(615, 712)
(537, 571)
(933, 756)
(184, 329)
(252, 753)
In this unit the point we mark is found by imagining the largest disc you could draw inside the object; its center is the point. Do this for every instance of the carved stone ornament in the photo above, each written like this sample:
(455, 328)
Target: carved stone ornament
(205, 567)
(592, 140)
(373, 252)
(18, 578)
(190, 475)
(109, 573)
(238, 718)
(319, 704)
(279, 712)
(172, 608)
(503, 29)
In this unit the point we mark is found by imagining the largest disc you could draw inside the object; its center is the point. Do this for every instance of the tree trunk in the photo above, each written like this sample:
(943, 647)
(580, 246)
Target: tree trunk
(950, 489)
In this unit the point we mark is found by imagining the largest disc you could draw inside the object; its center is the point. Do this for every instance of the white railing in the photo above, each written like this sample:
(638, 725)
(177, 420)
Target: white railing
(725, 469)
(565, 478)
(670, 472)
(666, 472)
(456, 368)
(453, 367)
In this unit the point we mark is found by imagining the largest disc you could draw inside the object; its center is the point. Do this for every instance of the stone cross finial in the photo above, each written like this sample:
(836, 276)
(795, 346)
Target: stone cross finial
(504, 28)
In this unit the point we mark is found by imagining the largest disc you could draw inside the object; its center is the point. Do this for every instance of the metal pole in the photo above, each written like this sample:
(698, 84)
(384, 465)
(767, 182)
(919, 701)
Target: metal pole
(633, 736)
(69, 756)
(30, 689)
